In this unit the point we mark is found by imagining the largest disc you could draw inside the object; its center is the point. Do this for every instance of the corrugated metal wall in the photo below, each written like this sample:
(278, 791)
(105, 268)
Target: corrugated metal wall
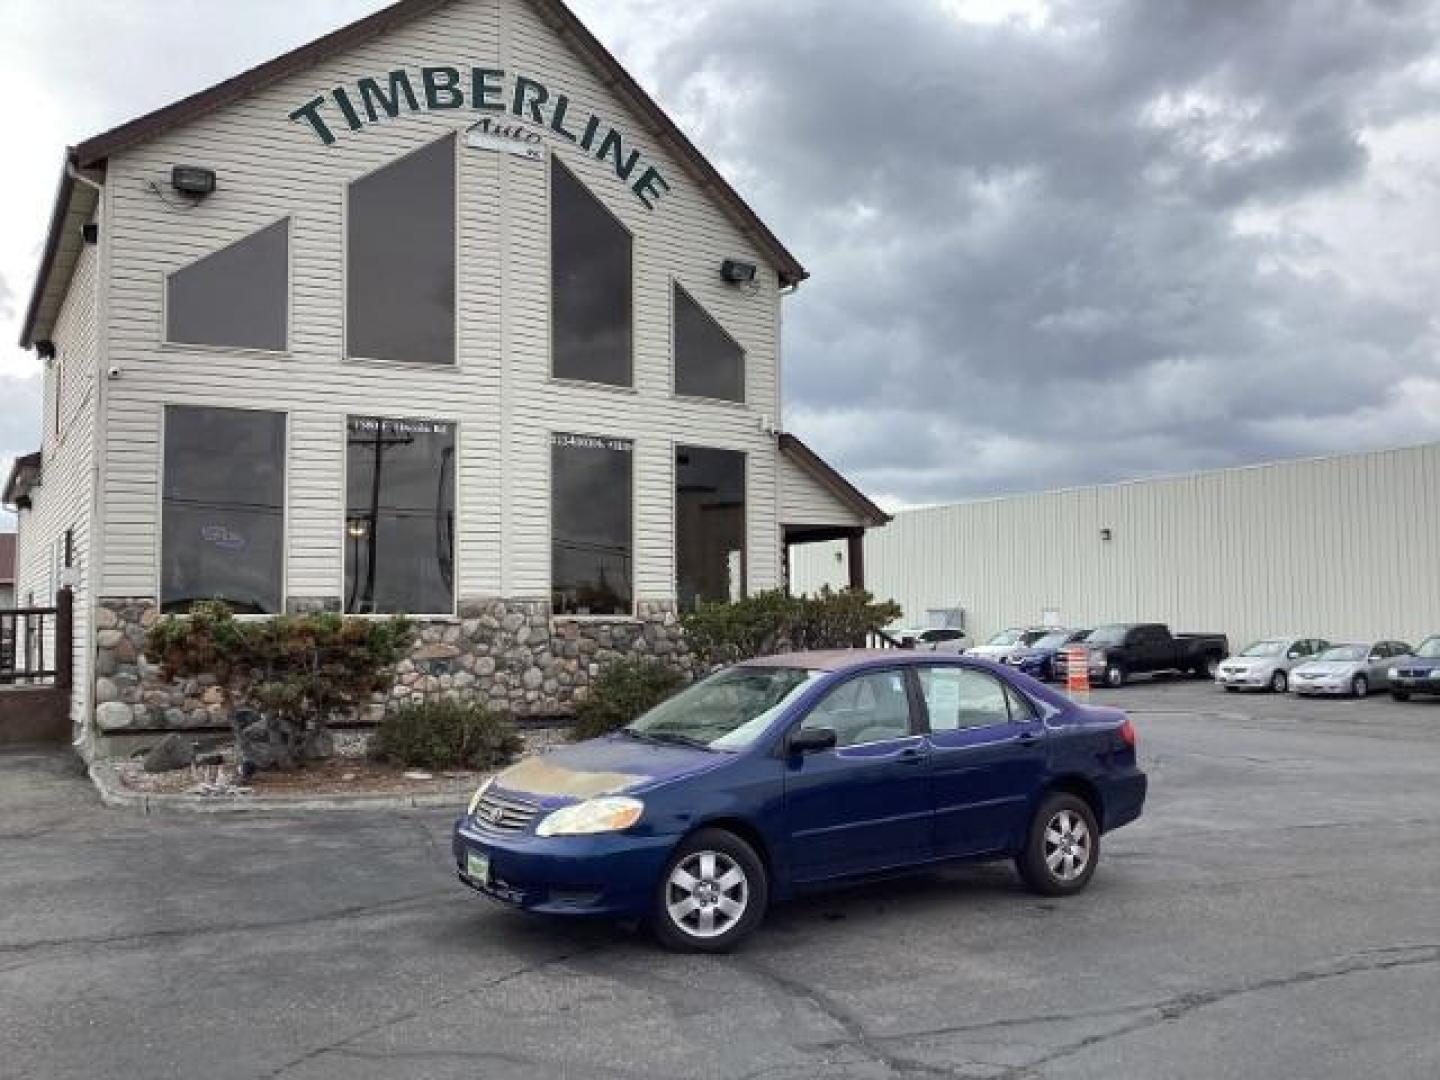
(1343, 547)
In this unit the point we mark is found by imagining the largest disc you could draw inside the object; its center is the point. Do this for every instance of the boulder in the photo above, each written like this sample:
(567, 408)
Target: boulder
(170, 753)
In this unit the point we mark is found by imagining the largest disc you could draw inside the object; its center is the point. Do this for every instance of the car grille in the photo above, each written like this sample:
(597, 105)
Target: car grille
(504, 813)
(1418, 673)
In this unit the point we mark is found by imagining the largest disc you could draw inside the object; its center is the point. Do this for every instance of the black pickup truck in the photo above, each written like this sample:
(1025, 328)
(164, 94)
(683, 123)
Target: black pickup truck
(1120, 650)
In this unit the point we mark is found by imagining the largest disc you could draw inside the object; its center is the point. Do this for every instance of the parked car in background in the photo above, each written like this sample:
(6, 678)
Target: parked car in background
(1118, 651)
(1038, 659)
(1007, 643)
(1352, 669)
(1266, 664)
(935, 639)
(799, 772)
(1418, 673)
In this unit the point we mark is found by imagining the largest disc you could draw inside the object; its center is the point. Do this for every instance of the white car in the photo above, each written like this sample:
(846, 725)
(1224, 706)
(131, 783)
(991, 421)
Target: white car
(1352, 670)
(1008, 644)
(1266, 664)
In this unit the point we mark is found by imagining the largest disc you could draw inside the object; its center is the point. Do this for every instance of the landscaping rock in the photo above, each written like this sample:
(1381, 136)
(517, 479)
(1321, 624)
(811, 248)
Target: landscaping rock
(171, 753)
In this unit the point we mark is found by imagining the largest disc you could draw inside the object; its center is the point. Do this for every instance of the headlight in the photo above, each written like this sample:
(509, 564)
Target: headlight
(610, 814)
(1394, 673)
(479, 794)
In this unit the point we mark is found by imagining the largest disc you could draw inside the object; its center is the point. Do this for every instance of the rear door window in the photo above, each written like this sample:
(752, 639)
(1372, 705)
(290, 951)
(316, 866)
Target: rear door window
(958, 698)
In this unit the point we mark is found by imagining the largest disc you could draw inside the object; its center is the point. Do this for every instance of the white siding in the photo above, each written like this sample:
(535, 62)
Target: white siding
(1344, 548)
(64, 498)
(500, 395)
(806, 501)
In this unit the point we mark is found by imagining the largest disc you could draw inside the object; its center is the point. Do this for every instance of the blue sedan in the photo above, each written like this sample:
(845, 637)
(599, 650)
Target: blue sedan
(798, 772)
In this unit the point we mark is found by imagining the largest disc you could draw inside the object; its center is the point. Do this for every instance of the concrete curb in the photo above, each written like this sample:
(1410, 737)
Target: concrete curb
(113, 794)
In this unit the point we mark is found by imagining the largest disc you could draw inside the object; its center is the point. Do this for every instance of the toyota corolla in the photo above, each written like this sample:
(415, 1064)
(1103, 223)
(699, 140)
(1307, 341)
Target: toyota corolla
(797, 772)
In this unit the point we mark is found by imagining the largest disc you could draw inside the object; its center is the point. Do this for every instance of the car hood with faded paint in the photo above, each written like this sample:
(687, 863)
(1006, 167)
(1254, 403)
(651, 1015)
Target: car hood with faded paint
(1331, 668)
(612, 765)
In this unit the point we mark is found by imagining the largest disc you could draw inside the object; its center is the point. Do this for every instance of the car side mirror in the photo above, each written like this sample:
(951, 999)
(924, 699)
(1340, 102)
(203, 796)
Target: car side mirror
(811, 740)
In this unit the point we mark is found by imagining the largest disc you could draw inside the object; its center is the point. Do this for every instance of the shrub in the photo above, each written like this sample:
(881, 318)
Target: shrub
(623, 690)
(774, 622)
(445, 735)
(299, 672)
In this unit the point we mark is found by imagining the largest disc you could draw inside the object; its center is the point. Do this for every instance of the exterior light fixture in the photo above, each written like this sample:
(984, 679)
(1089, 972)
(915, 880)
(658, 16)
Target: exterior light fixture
(737, 273)
(90, 232)
(45, 350)
(1106, 535)
(193, 180)
(358, 528)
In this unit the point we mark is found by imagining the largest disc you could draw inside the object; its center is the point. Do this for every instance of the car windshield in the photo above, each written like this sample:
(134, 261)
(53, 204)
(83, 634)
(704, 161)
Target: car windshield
(1030, 637)
(1108, 635)
(940, 635)
(1429, 648)
(1051, 641)
(1005, 637)
(1265, 648)
(1345, 652)
(727, 711)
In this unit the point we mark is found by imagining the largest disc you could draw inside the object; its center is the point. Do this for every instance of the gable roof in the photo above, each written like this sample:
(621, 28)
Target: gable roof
(829, 478)
(92, 153)
(7, 558)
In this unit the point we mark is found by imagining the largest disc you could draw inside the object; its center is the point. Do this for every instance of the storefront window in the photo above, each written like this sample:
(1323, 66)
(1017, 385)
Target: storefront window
(401, 259)
(708, 362)
(237, 298)
(400, 517)
(592, 532)
(709, 525)
(591, 285)
(223, 509)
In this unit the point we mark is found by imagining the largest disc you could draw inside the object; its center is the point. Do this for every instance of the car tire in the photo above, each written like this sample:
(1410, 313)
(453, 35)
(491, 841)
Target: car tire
(698, 913)
(1400, 695)
(1360, 686)
(1279, 682)
(1062, 847)
(1115, 676)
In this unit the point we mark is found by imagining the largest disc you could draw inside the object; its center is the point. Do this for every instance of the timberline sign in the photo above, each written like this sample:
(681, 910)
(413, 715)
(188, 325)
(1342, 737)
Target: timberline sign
(540, 111)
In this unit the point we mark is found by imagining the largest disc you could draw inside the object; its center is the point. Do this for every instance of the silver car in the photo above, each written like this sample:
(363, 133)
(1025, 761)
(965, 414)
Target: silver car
(1266, 664)
(1352, 670)
(1009, 643)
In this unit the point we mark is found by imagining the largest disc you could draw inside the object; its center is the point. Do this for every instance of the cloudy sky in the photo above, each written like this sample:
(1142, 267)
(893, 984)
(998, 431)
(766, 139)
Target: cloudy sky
(1051, 242)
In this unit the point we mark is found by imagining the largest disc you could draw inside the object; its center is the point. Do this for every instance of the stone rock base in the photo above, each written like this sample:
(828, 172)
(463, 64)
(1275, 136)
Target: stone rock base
(511, 655)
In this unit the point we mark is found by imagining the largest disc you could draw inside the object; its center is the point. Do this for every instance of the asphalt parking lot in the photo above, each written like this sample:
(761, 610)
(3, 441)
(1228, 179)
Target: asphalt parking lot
(1276, 913)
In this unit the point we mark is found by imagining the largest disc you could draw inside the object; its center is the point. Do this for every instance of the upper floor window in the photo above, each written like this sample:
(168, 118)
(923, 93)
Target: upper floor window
(592, 533)
(400, 517)
(591, 285)
(235, 298)
(222, 532)
(709, 363)
(400, 258)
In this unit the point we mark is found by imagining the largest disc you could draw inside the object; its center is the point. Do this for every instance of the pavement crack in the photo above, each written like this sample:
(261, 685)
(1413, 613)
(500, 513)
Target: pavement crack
(345, 1045)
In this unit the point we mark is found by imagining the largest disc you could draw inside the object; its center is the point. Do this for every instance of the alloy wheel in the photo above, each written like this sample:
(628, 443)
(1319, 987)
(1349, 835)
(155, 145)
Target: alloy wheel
(1067, 845)
(706, 894)
(1361, 686)
(1279, 682)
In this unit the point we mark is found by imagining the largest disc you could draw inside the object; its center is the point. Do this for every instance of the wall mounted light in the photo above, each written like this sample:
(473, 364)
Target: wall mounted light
(1106, 536)
(45, 350)
(193, 180)
(358, 528)
(738, 273)
(90, 232)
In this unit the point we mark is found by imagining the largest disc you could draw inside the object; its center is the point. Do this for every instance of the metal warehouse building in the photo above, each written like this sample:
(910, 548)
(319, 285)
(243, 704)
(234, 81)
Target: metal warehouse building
(1342, 547)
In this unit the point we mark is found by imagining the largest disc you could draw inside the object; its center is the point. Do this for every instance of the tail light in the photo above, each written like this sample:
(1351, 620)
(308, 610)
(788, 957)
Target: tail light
(1127, 733)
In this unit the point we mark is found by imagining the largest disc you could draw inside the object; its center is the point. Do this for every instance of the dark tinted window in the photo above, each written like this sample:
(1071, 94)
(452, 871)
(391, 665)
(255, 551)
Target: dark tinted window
(708, 361)
(401, 259)
(237, 298)
(591, 285)
(592, 533)
(223, 513)
(709, 525)
(400, 517)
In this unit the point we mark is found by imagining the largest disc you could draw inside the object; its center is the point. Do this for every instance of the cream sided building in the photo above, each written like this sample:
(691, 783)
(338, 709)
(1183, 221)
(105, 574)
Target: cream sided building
(439, 314)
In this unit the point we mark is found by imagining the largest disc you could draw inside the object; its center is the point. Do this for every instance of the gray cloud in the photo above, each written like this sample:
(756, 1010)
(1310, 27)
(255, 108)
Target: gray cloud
(1035, 252)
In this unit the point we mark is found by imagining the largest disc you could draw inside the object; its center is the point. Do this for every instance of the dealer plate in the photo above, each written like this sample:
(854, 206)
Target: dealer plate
(477, 866)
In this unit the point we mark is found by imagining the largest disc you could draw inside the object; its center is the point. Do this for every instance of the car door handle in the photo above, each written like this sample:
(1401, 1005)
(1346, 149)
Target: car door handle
(1029, 738)
(912, 755)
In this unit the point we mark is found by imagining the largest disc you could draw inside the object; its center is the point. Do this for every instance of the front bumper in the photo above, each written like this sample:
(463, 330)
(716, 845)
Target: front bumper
(1244, 680)
(613, 874)
(1323, 687)
(1416, 684)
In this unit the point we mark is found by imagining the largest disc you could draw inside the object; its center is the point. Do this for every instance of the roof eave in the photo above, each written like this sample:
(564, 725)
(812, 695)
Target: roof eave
(831, 478)
(58, 213)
